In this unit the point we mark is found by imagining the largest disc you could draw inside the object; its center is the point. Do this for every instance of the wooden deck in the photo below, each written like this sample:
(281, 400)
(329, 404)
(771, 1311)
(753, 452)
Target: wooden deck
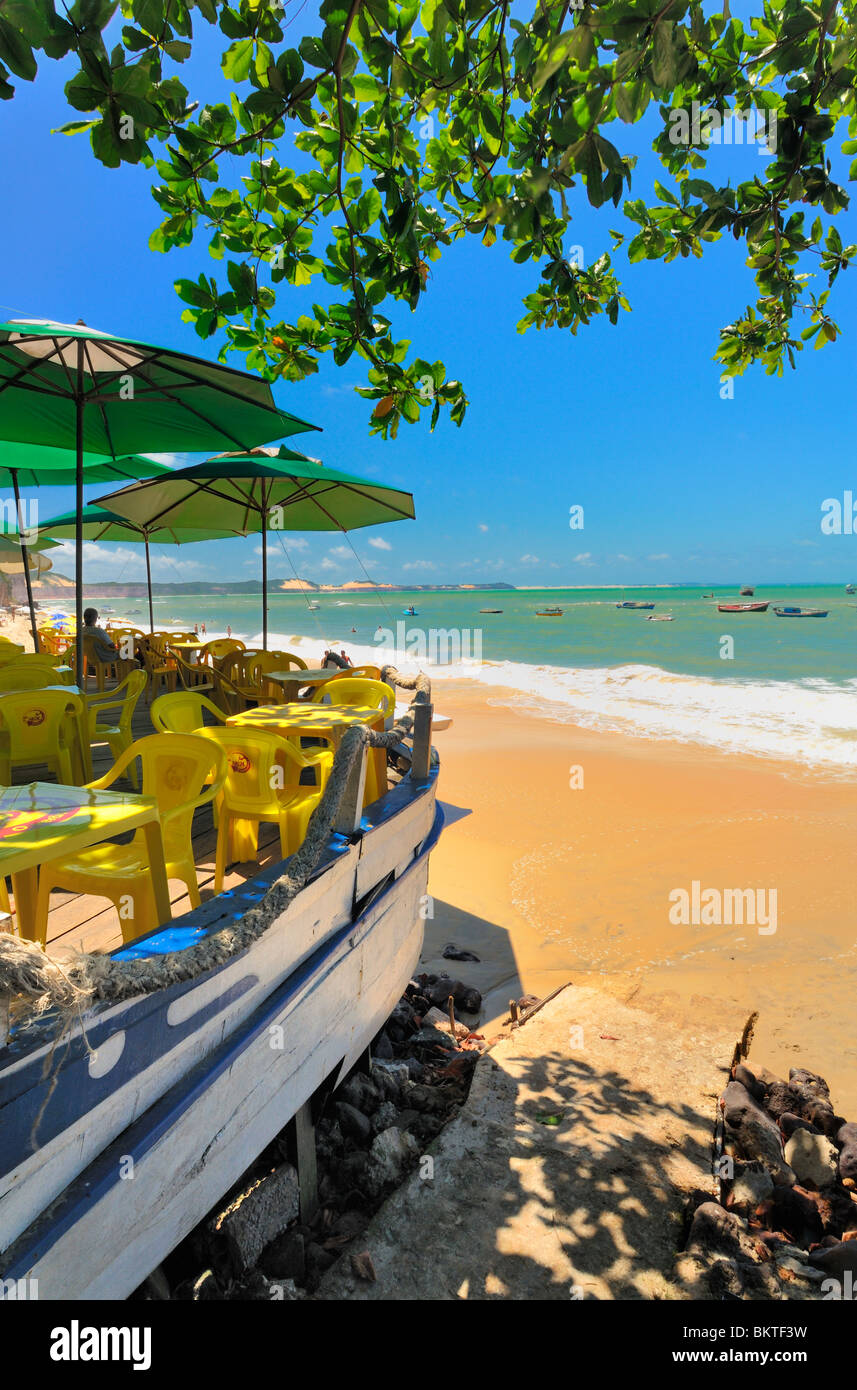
(82, 922)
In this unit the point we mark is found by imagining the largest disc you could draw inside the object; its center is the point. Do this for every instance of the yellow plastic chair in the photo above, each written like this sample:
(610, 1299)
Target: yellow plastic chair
(220, 647)
(192, 675)
(36, 728)
(9, 651)
(371, 673)
(228, 695)
(117, 733)
(19, 677)
(262, 784)
(158, 671)
(182, 712)
(355, 690)
(175, 768)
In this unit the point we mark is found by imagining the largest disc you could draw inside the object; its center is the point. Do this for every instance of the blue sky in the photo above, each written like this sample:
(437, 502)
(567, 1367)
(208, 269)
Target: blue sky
(677, 484)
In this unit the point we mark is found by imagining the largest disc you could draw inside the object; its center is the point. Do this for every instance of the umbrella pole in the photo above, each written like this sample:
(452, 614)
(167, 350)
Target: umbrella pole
(264, 585)
(78, 521)
(149, 585)
(25, 557)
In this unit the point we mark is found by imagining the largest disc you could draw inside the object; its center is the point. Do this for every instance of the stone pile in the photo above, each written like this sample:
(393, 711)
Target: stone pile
(373, 1131)
(786, 1224)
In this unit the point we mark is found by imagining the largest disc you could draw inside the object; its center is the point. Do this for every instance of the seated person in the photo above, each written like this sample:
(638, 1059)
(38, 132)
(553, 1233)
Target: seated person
(103, 649)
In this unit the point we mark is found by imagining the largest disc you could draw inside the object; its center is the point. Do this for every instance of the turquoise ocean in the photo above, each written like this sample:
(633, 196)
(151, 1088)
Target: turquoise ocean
(782, 687)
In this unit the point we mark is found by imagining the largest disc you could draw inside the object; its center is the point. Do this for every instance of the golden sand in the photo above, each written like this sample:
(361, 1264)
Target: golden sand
(547, 882)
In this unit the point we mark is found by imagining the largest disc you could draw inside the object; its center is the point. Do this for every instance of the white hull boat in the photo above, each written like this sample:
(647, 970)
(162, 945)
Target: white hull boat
(181, 1089)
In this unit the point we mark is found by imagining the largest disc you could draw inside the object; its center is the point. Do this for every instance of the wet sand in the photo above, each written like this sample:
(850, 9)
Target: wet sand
(548, 883)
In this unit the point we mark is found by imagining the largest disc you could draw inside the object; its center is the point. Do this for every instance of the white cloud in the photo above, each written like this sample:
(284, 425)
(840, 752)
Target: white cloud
(658, 557)
(584, 558)
(342, 551)
(380, 544)
(625, 557)
(482, 526)
(419, 565)
(328, 564)
(530, 560)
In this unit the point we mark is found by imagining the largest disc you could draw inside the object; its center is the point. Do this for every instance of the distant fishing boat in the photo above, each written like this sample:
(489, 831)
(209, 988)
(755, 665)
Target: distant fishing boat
(660, 618)
(633, 603)
(490, 610)
(747, 591)
(708, 596)
(742, 607)
(313, 606)
(801, 612)
(548, 612)
(849, 589)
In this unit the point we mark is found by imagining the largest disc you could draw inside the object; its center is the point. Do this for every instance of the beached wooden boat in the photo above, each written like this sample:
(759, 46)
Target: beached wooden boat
(633, 603)
(801, 612)
(182, 1087)
(742, 607)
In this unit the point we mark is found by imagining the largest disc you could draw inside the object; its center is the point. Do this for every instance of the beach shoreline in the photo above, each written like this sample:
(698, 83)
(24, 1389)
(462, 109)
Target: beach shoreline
(548, 881)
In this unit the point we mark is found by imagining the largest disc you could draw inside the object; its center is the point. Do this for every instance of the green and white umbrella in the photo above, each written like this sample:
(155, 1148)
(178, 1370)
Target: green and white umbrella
(70, 386)
(39, 465)
(102, 525)
(259, 491)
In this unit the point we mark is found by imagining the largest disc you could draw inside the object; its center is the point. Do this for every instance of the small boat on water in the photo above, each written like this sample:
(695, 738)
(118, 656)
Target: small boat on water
(411, 612)
(801, 612)
(660, 618)
(849, 589)
(313, 607)
(747, 591)
(742, 607)
(490, 610)
(633, 603)
(548, 612)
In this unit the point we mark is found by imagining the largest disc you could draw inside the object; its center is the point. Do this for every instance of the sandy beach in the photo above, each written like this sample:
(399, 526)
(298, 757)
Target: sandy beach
(548, 881)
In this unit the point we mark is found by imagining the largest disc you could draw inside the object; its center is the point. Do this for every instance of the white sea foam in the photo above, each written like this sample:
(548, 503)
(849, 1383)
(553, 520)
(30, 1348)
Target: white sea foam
(811, 721)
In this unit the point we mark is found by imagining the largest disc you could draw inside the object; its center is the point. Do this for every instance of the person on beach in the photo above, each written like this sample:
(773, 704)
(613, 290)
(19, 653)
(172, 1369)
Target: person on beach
(331, 659)
(346, 660)
(229, 632)
(103, 648)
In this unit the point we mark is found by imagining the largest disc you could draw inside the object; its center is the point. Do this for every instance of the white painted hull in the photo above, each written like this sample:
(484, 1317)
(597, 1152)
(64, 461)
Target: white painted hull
(216, 1087)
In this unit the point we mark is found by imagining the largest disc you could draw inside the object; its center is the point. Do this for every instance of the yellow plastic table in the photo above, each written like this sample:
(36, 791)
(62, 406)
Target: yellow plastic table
(293, 681)
(307, 719)
(42, 821)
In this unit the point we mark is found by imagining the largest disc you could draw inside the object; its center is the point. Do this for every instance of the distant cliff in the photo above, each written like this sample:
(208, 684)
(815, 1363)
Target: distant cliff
(57, 586)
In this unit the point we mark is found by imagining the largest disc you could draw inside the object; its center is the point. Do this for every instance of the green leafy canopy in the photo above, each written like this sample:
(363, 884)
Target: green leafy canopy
(420, 124)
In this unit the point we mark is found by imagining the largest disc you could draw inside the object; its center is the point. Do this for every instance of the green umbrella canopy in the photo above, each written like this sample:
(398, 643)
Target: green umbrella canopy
(68, 384)
(295, 492)
(135, 396)
(98, 524)
(262, 490)
(42, 465)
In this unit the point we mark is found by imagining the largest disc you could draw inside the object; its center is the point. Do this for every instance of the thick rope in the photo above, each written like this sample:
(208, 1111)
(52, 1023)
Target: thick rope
(90, 977)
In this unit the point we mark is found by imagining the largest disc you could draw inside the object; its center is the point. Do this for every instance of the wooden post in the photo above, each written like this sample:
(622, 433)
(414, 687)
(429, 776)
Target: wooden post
(306, 1162)
(350, 812)
(5, 1000)
(421, 760)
